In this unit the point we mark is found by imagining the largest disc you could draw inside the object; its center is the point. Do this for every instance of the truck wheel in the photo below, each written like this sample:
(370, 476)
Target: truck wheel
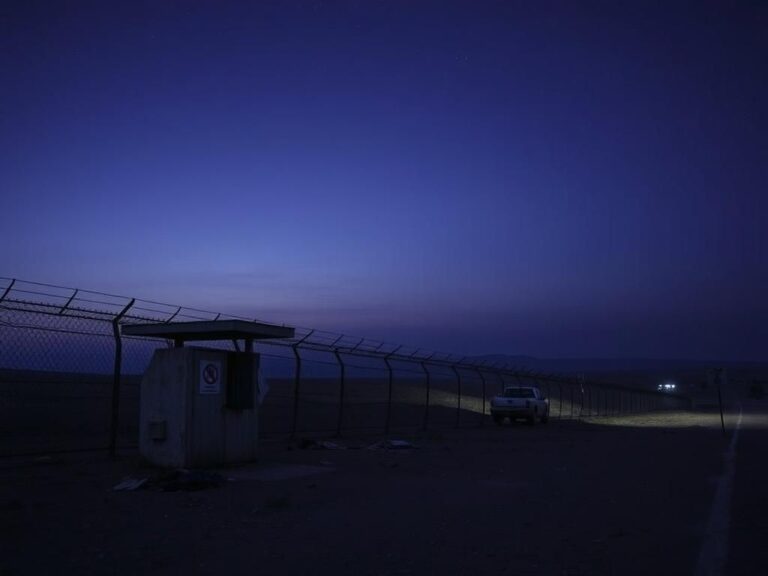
(532, 417)
(545, 417)
(498, 419)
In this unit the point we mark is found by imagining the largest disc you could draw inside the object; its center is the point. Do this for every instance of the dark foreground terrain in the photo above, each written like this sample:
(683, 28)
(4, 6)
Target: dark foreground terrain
(618, 496)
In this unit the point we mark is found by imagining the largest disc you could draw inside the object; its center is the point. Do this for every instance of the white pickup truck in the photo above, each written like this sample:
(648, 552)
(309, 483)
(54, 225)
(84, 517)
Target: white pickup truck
(520, 402)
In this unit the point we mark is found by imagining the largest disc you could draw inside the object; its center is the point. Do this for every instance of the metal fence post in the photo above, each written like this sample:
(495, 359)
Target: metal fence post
(297, 384)
(482, 379)
(389, 396)
(458, 403)
(389, 389)
(117, 377)
(543, 386)
(296, 391)
(501, 381)
(426, 405)
(341, 392)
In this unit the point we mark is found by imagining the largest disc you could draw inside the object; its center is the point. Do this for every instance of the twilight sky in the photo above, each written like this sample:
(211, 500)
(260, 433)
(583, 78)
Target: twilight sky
(562, 179)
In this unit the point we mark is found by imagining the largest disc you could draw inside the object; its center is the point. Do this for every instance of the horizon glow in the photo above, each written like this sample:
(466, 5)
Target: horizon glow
(548, 180)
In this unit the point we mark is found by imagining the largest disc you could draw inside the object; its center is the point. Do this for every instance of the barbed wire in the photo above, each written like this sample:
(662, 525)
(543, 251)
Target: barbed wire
(25, 297)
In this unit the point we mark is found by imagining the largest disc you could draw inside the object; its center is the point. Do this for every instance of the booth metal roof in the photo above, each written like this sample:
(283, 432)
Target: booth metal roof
(210, 330)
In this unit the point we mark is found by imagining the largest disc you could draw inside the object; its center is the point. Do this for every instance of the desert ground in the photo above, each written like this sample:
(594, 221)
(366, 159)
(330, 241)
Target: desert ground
(609, 495)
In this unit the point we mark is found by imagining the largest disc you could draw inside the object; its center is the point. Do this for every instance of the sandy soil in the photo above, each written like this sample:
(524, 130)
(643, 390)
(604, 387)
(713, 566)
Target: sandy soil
(621, 496)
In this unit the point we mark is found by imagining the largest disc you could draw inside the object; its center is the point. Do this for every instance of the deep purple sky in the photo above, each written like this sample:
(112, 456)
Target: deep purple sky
(555, 179)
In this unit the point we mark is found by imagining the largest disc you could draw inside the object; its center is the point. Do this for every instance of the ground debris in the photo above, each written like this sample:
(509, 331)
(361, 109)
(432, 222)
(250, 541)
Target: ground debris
(311, 444)
(173, 481)
(392, 445)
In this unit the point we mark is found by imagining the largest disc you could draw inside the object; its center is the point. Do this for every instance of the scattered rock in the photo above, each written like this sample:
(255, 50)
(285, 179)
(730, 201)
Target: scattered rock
(130, 484)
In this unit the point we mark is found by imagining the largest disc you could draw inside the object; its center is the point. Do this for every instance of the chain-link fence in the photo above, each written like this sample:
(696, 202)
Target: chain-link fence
(69, 380)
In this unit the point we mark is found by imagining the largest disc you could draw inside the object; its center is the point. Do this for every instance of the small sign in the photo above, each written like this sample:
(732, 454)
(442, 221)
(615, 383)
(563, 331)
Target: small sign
(210, 377)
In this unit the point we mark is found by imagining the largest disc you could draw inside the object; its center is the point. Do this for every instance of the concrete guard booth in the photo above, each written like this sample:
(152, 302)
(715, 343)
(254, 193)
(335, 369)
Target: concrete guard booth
(199, 406)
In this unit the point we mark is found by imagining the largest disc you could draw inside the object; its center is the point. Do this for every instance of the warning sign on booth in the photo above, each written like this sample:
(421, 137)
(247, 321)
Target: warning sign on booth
(210, 377)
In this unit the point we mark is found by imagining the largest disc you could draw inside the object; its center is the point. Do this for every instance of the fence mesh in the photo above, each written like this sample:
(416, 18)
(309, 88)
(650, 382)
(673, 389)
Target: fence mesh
(57, 377)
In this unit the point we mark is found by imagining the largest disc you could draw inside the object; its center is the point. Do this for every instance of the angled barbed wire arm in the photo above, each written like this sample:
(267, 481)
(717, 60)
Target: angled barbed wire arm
(7, 290)
(175, 314)
(305, 338)
(389, 388)
(333, 344)
(68, 302)
(116, 377)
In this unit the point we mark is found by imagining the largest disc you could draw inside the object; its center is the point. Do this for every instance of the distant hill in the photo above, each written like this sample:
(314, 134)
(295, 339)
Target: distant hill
(592, 365)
